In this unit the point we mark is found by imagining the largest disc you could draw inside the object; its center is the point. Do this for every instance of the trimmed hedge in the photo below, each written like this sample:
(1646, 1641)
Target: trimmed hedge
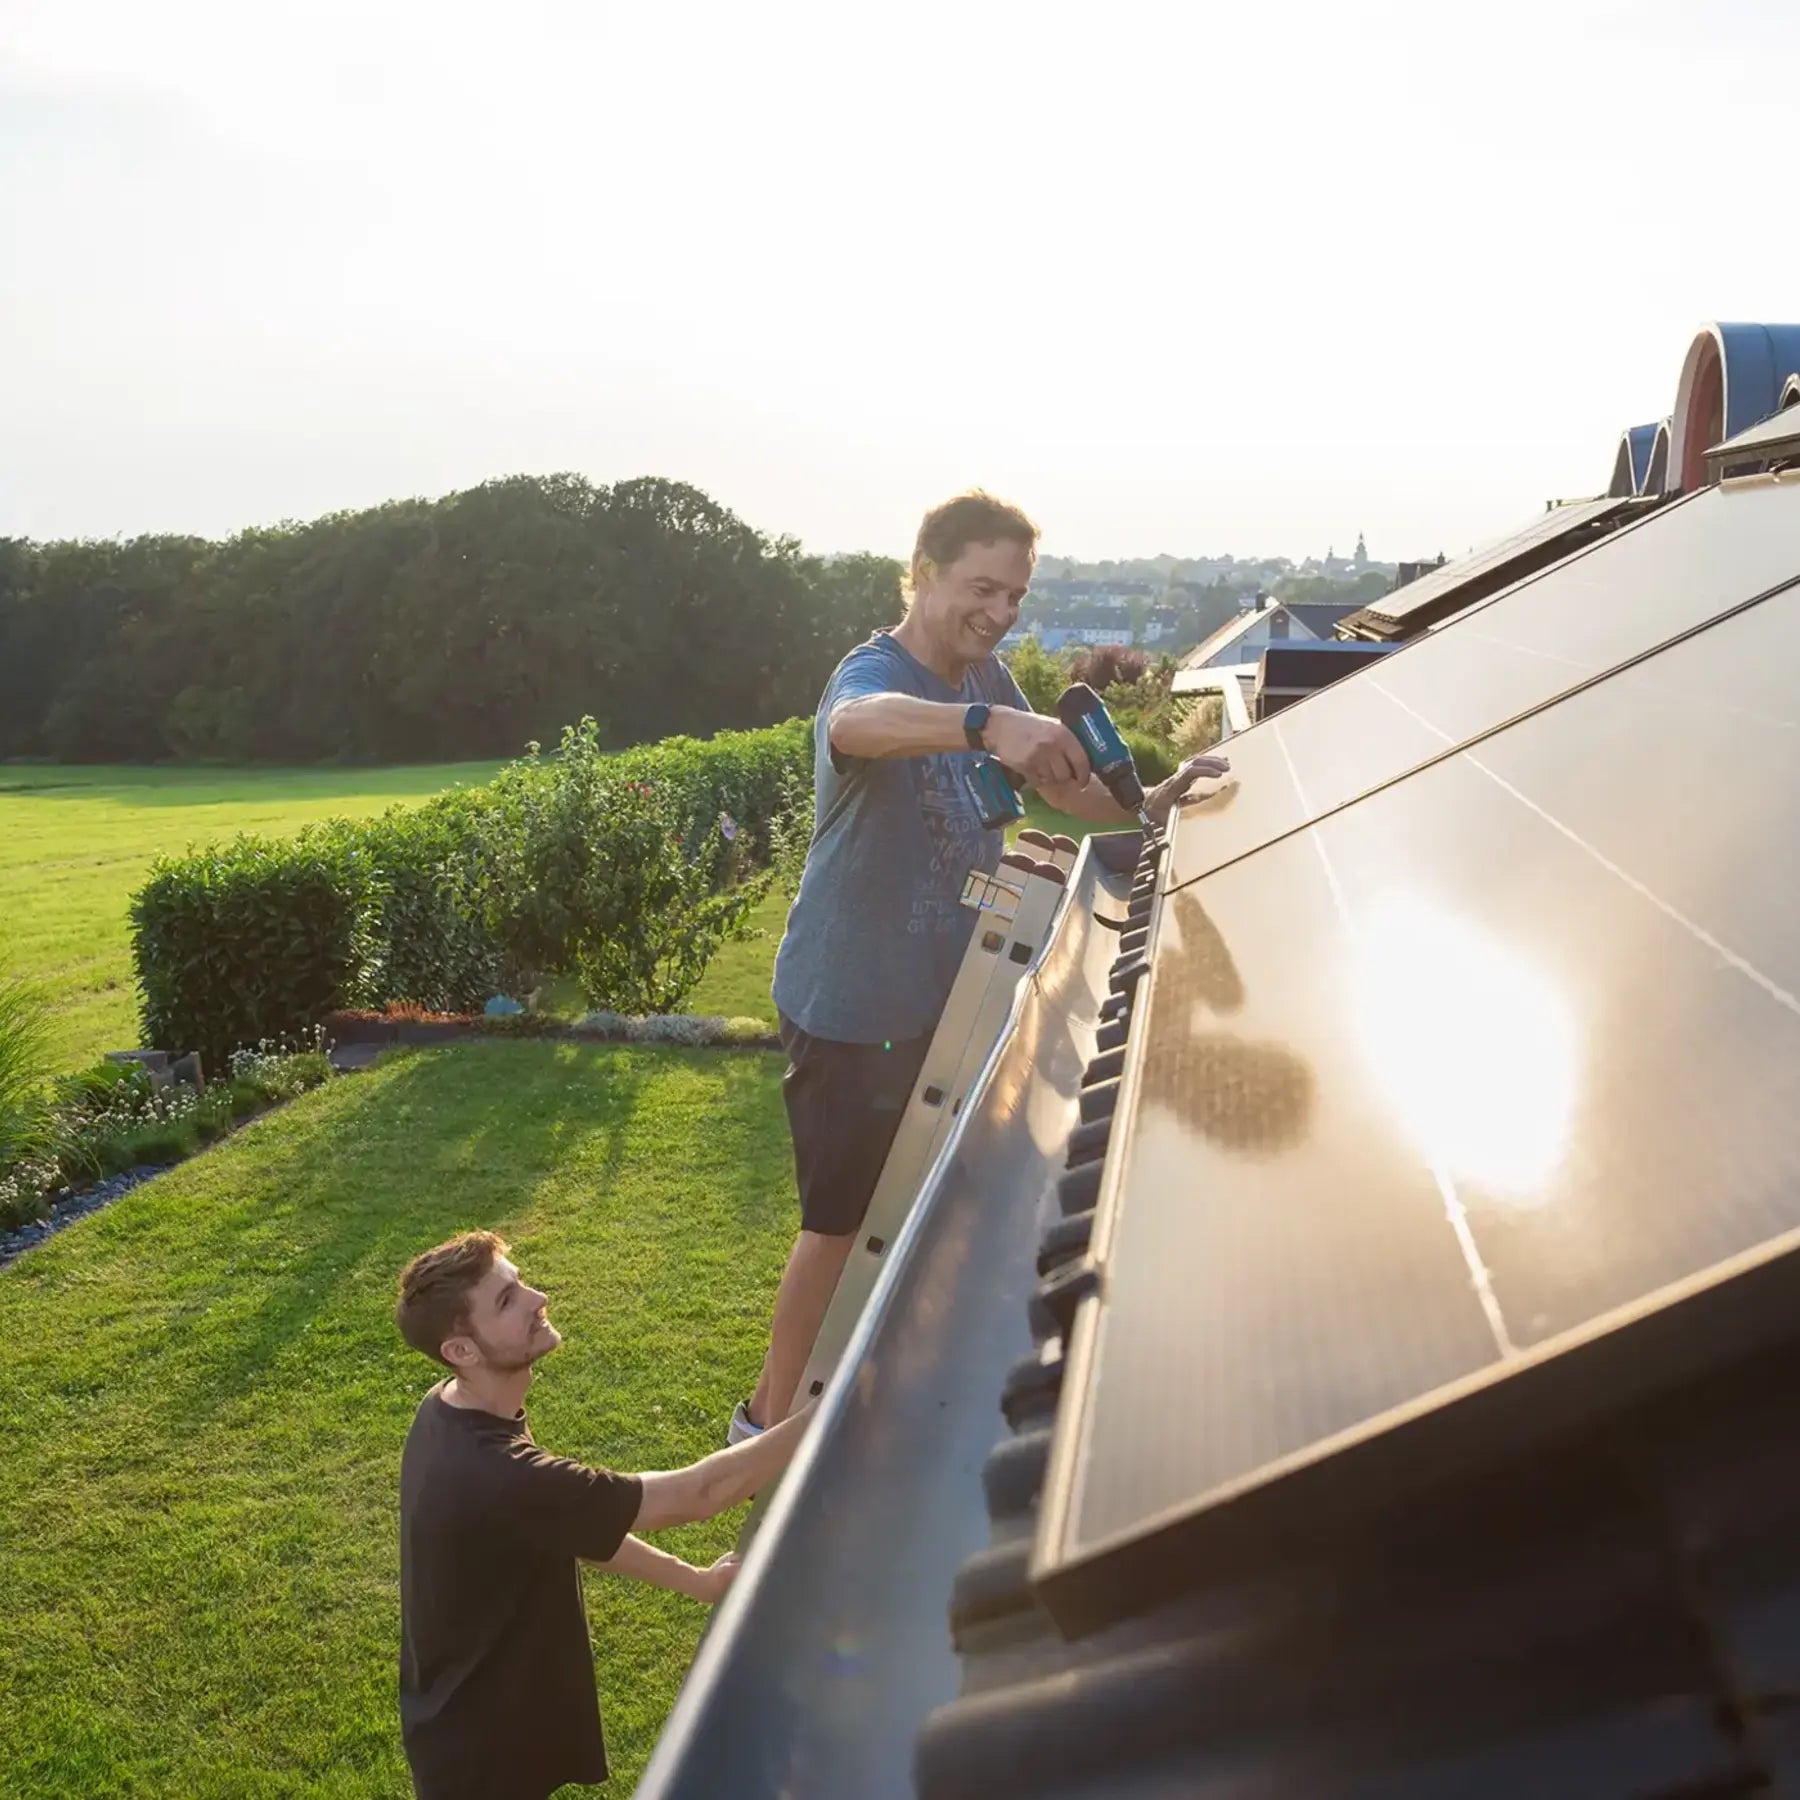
(626, 870)
(431, 946)
(253, 939)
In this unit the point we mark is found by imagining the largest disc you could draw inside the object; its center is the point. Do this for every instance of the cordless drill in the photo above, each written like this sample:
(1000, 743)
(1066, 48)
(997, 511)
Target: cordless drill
(1085, 714)
(996, 791)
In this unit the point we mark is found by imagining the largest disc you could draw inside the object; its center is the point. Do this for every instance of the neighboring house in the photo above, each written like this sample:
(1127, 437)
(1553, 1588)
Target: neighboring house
(1246, 637)
(1056, 633)
(1320, 617)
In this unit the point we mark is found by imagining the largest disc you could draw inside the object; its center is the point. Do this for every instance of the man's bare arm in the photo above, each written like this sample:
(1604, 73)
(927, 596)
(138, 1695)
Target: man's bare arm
(1044, 751)
(896, 725)
(644, 1562)
(719, 1481)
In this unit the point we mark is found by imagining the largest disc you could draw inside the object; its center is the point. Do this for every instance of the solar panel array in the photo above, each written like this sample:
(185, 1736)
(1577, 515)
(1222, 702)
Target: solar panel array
(1440, 1106)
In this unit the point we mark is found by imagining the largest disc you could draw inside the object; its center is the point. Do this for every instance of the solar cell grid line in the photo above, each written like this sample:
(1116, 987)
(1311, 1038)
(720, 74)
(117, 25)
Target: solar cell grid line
(1668, 573)
(1469, 1109)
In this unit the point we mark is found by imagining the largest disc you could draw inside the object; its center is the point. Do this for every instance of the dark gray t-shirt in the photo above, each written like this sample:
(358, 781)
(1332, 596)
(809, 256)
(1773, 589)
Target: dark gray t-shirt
(877, 930)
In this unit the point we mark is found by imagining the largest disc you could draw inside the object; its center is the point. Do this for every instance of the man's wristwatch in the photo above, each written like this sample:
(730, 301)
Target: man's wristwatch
(975, 723)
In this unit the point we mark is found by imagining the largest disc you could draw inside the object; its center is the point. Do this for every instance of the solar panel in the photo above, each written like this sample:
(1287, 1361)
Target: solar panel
(1550, 535)
(1670, 571)
(1774, 439)
(1456, 1117)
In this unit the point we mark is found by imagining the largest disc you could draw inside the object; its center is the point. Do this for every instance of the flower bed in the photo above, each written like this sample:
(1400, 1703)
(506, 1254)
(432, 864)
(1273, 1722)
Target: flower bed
(115, 1118)
(411, 1025)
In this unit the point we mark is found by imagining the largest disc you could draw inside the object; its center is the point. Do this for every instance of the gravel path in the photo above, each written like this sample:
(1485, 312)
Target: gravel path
(76, 1206)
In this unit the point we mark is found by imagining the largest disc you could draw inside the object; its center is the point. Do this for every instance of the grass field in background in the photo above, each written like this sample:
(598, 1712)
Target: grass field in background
(75, 844)
(205, 1402)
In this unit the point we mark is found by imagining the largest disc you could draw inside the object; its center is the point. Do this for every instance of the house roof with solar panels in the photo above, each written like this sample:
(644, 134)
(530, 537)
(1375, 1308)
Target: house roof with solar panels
(1345, 1341)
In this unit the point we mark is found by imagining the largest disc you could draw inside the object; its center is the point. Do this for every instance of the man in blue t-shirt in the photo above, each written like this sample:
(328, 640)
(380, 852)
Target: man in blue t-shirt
(877, 931)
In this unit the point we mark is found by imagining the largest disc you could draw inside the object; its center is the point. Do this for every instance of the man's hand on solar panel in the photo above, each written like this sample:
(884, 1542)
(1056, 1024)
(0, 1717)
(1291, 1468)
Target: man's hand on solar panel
(1167, 795)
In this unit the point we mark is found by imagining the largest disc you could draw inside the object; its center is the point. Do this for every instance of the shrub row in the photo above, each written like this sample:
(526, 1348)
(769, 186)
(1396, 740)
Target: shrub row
(625, 870)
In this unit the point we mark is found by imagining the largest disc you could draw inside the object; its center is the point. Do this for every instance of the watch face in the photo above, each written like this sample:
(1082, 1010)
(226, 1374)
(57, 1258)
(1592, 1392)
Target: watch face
(974, 724)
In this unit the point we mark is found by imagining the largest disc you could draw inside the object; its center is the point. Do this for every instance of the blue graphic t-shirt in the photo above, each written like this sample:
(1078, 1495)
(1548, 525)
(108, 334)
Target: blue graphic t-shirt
(877, 930)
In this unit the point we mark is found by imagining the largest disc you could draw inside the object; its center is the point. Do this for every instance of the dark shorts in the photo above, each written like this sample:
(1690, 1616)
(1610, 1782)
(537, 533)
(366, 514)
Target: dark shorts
(844, 1103)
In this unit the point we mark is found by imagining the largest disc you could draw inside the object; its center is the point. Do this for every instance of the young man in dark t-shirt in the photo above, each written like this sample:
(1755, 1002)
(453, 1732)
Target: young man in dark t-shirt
(497, 1695)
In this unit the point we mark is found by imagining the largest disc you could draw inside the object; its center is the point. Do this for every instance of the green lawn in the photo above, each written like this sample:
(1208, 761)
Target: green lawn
(75, 842)
(204, 1404)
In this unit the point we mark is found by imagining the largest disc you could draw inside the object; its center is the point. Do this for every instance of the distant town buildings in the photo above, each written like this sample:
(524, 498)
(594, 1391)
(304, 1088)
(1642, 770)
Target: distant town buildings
(1172, 604)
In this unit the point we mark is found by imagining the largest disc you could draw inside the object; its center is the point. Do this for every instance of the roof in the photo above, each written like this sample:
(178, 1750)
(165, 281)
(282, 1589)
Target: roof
(1319, 616)
(1379, 1193)
(1222, 639)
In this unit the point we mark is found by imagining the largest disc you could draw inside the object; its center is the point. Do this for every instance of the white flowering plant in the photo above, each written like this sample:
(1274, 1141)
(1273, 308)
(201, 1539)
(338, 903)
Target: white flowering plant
(115, 1116)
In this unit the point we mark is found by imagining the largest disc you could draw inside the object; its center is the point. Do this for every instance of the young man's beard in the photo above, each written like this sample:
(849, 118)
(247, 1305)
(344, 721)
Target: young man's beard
(513, 1362)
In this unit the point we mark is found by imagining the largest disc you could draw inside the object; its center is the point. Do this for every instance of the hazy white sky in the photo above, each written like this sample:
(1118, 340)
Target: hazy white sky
(1193, 278)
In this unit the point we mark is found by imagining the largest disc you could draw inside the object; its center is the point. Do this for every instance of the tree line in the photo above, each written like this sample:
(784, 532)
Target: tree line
(425, 630)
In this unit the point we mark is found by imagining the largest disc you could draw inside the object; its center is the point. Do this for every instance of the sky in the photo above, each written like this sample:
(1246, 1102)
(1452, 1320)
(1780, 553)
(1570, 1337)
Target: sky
(1185, 279)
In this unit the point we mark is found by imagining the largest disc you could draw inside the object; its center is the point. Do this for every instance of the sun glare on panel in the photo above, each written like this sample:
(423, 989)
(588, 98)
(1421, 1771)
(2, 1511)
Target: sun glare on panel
(1475, 1048)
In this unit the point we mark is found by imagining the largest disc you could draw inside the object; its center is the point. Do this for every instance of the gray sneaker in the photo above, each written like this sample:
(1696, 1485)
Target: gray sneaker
(740, 1430)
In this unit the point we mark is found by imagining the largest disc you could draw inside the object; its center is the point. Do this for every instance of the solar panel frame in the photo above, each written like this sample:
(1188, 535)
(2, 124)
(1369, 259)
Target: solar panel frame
(1776, 438)
(1535, 544)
